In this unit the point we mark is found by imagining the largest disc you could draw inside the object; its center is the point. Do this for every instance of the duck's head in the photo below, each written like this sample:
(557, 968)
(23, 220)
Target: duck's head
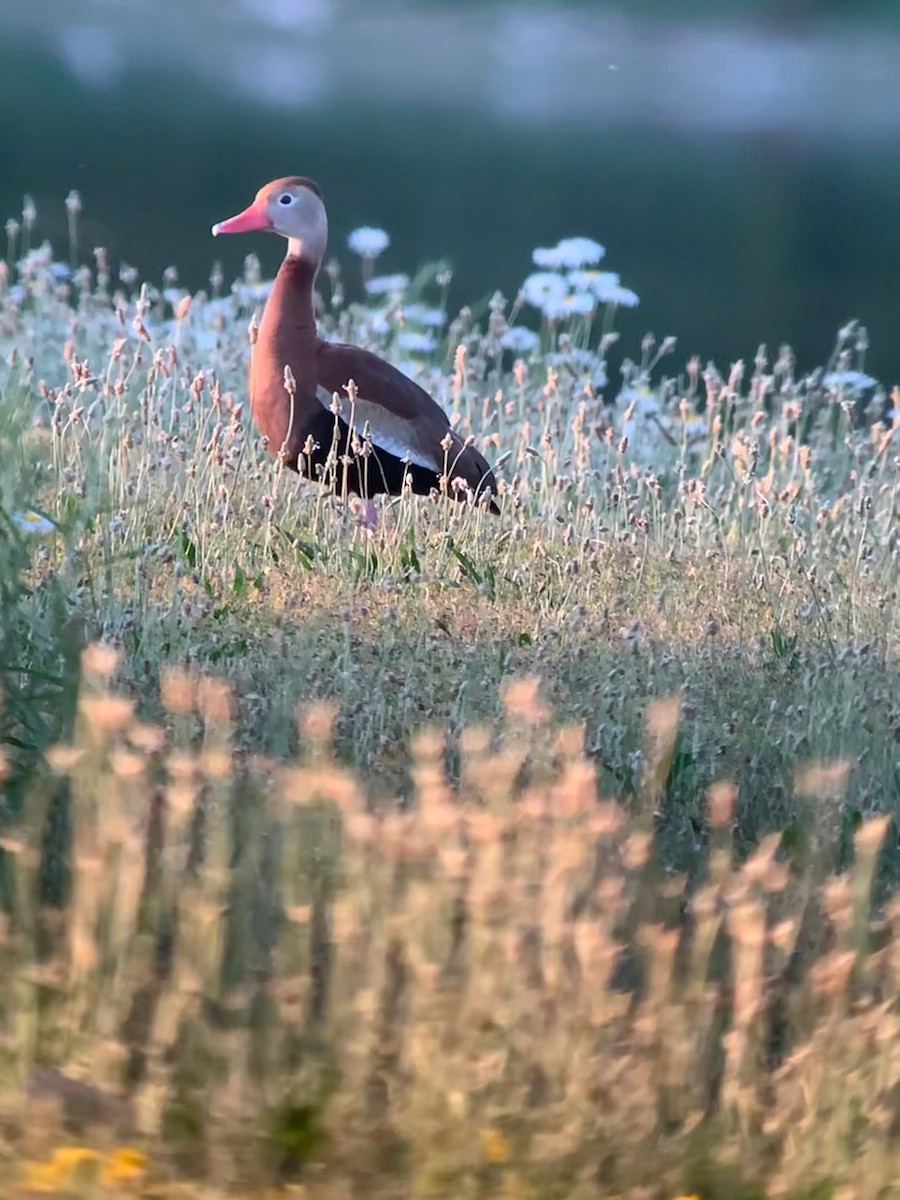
(292, 207)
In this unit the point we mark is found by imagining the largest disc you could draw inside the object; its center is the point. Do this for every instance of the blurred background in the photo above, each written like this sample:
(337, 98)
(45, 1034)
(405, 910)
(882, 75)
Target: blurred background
(738, 158)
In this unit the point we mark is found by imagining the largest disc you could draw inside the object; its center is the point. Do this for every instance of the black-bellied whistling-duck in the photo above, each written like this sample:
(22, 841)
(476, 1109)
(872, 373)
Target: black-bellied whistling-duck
(409, 433)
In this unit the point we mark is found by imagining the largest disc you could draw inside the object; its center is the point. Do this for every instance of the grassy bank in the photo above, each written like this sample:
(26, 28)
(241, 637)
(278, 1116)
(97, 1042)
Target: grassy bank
(635, 726)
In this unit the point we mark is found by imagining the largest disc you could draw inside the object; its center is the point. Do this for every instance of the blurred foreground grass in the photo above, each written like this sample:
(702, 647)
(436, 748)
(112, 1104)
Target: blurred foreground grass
(249, 974)
(563, 884)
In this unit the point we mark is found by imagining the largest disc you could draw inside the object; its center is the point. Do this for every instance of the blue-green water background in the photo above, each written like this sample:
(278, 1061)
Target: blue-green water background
(739, 161)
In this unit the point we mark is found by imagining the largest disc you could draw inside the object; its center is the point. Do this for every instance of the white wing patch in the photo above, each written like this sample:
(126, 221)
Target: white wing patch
(388, 431)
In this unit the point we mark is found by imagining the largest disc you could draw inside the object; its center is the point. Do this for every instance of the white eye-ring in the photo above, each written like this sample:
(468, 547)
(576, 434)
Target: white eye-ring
(286, 198)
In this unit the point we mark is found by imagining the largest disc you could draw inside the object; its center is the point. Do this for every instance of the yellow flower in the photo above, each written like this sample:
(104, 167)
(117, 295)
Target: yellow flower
(70, 1158)
(65, 1162)
(40, 1177)
(125, 1165)
(494, 1146)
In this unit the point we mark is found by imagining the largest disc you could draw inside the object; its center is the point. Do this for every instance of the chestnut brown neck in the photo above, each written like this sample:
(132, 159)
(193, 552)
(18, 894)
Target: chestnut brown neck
(287, 338)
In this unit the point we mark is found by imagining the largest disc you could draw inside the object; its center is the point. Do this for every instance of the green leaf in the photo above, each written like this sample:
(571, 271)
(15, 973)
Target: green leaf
(189, 549)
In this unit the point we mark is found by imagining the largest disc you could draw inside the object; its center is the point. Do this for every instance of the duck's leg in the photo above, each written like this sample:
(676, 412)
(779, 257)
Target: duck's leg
(365, 512)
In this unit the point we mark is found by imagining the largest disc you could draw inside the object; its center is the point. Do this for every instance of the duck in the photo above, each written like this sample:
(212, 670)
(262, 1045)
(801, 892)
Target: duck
(335, 412)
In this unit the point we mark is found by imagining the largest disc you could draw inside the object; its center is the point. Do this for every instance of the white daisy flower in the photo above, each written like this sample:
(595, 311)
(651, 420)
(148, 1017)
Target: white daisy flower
(252, 293)
(420, 314)
(580, 252)
(592, 280)
(32, 522)
(387, 283)
(575, 357)
(520, 339)
(645, 402)
(376, 326)
(569, 253)
(622, 296)
(854, 380)
(543, 287)
(547, 257)
(574, 304)
(368, 242)
(421, 343)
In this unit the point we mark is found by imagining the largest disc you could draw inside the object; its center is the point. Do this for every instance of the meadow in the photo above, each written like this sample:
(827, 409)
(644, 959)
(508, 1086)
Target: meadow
(542, 855)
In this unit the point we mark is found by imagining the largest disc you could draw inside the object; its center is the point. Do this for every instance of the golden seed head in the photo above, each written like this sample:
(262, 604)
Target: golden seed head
(64, 759)
(783, 934)
(181, 765)
(427, 746)
(824, 781)
(316, 721)
(522, 702)
(721, 800)
(215, 763)
(829, 976)
(870, 835)
(663, 715)
(149, 738)
(126, 764)
(475, 741)
(215, 700)
(570, 741)
(838, 901)
(99, 661)
(636, 850)
(178, 691)
(106, 714)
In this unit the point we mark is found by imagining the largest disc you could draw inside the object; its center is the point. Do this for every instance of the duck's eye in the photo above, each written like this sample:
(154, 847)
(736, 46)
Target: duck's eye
(285, 198)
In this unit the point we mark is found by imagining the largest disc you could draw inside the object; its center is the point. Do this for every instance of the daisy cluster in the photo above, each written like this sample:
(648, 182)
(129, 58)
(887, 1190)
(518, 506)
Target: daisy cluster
(570, 283)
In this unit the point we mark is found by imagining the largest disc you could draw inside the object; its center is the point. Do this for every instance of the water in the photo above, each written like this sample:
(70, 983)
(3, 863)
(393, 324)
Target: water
(742, 178)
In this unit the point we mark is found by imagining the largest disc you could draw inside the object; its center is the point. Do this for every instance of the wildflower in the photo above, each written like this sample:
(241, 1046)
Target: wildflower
(376, 325)
(605, 285)
(494, 1146)
(410, 339)
(65, 1163)
(547, 257)
(520, 339)
(32, 522)
(570, 252)
(99, 660)
(575, 356)
(575, 304)
(542, 288)
(855, 381)
(387, 283)
(368, 242)
(124, 1165)
(639, 400)
(622, 296)
(420, 314)
(592, 281)
(253, 293)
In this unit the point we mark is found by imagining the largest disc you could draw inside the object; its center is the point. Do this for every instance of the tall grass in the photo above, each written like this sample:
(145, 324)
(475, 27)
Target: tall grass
(563, 884)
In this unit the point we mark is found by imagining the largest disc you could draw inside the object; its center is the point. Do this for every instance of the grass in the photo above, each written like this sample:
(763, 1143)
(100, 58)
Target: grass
(575, 875)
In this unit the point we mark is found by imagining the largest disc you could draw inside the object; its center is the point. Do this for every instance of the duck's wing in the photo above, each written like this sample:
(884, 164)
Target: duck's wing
(403, 419)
